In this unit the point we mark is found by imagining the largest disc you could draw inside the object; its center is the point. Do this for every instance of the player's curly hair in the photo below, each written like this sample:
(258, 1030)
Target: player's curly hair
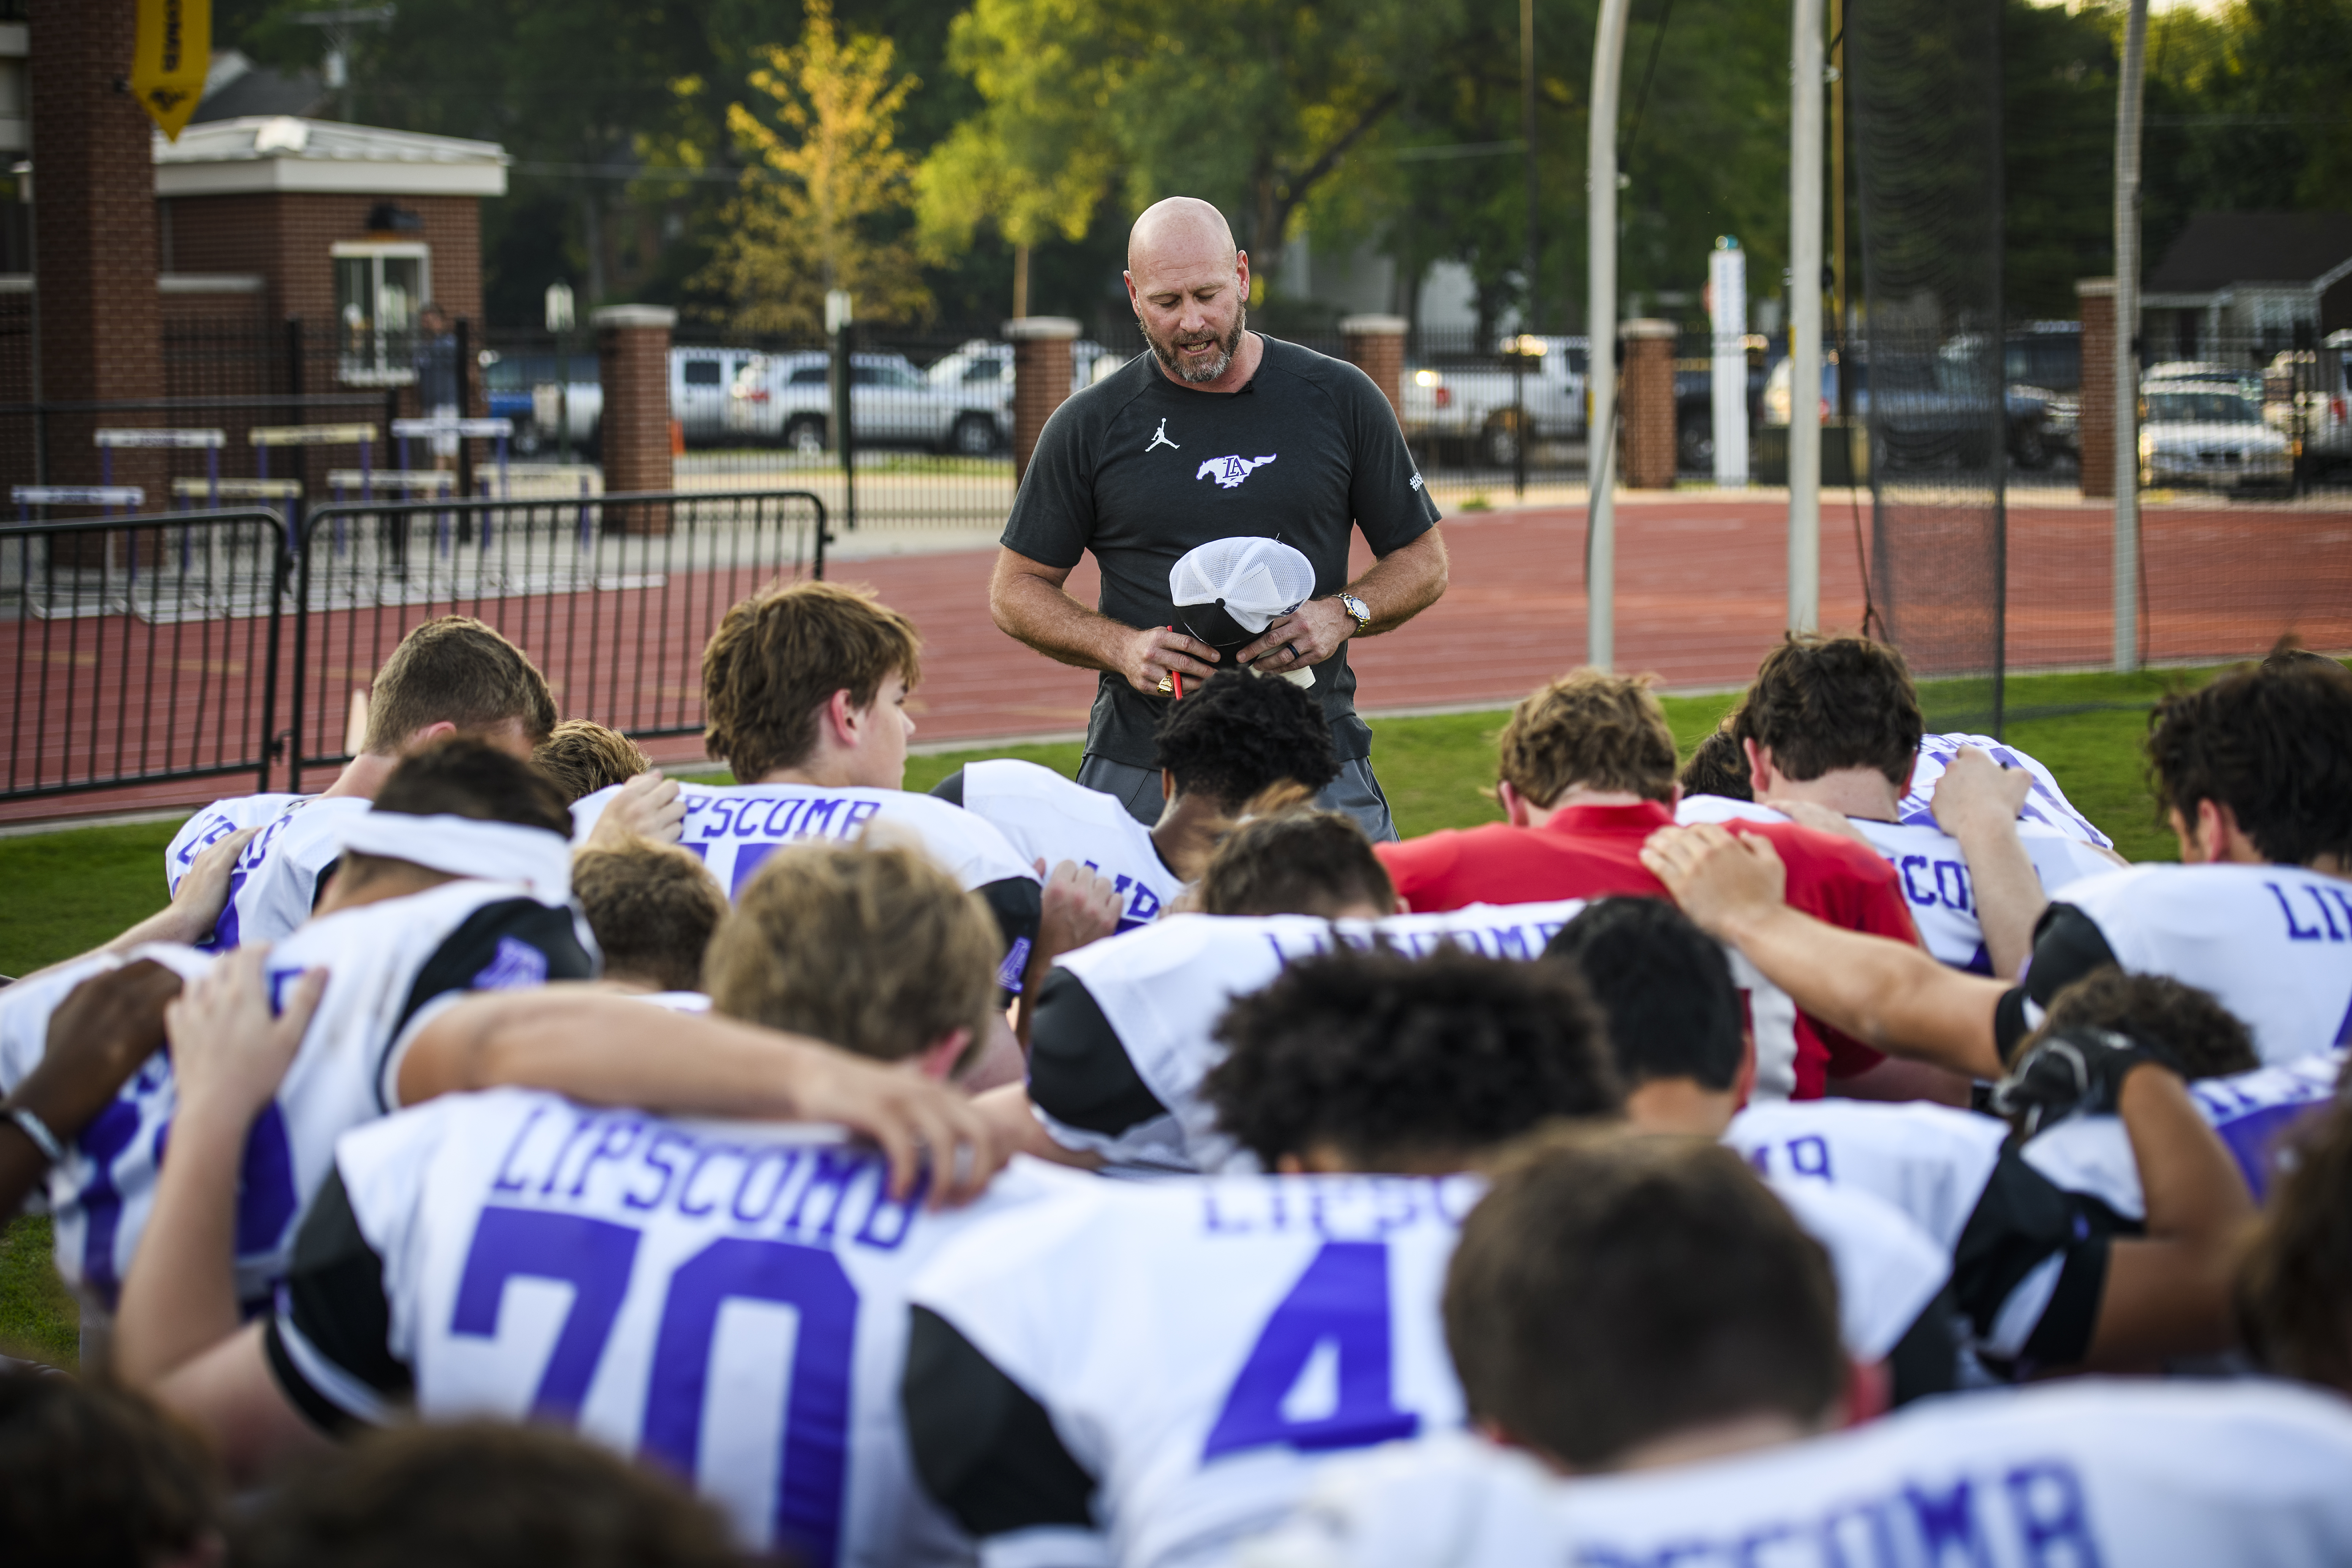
(1820, 704)
(2295, 1282)
(1590, 728)
(1718, 765)
(2274, 745)
(652, 907)
(2204, 1038)
(1235, 734)
(95, 1474)
(1295, 860)
(583, 756)
(1396, 1062)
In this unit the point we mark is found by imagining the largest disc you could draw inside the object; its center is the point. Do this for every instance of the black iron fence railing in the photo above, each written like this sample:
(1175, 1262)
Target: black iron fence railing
(613, 595)
(140, 653)
(150, 648)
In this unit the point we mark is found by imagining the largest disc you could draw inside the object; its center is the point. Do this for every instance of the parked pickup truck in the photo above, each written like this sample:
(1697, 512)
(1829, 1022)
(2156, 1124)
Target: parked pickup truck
(788, 398)
(1480, 403)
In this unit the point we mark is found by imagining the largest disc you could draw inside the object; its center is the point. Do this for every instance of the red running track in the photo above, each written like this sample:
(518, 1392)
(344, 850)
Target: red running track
(1700, 595)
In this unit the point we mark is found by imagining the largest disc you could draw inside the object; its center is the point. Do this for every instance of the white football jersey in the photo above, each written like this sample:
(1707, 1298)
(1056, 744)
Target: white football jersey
(1047, 817)
(386, 963)
(1931, 870)
(734, 827)
(726, 1298)
(2093, 1155)
(2046, 805)
(216, 822)
(1203, 1347)
(2272, 944)
(1162, 988)
(2077, 1474)
(1931, 1162)
(276, 883)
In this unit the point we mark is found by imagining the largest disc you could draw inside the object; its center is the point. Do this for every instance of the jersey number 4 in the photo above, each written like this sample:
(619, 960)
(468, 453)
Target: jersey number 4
(594, 1256)
(1339, 1312)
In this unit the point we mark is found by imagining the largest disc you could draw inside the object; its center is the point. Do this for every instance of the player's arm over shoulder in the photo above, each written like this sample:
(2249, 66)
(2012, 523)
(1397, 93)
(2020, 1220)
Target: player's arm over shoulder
(1080, 1074)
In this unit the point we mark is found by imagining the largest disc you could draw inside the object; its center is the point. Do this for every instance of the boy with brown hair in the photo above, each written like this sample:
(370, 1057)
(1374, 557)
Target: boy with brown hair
(804, 687)
(583, 756)
(1586, 773)
(451, 676)
(654, 908)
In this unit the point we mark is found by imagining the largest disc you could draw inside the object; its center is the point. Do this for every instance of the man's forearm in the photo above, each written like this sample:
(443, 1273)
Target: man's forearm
(1041, 615)
(604, 1049)
(1883, 993)
(179, 1297)
(1403, 583)
(2009, 896)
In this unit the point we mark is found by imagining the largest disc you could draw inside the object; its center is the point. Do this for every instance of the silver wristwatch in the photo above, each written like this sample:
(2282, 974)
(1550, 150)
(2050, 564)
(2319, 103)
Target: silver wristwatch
(1358, 608)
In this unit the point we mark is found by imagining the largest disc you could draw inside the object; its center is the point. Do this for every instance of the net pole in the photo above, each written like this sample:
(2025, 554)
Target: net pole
(2129, 87)
(1600, 314)
(1805, 316)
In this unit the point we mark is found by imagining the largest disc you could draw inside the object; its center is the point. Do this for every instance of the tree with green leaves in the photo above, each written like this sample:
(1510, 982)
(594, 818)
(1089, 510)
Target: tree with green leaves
(826, 175)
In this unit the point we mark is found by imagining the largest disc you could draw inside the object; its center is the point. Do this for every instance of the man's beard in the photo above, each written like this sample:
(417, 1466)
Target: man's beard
(1217, 364)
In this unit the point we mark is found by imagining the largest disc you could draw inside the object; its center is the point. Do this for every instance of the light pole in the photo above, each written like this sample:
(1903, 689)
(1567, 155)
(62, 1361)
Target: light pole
(1600, 314)
(1805, 316)
(2129, 87)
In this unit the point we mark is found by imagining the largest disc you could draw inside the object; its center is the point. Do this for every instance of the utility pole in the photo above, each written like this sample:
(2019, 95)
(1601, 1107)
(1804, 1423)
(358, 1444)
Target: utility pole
(1533, 321)
(1841, 297)
(1601, 315)
(1805, 316)
(2129, 89)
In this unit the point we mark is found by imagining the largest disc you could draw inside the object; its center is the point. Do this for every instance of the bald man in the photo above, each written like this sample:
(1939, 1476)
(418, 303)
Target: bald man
(1218, 431)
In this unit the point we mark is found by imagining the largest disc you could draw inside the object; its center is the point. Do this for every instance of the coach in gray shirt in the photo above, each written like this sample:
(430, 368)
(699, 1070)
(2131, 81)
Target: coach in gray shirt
(1218, 431)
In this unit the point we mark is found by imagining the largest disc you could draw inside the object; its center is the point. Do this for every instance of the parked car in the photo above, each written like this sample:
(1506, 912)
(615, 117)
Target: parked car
(1694, 408)
(2195, 431)
(980, 365)
(2044, 360)
(1481, 403)
(2327, 440)
(788, 398)
(698, 380)
(1931, 412)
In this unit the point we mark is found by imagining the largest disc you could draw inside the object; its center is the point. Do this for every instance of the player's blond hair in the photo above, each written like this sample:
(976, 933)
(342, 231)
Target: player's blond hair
(1589, 728)
(870, 947)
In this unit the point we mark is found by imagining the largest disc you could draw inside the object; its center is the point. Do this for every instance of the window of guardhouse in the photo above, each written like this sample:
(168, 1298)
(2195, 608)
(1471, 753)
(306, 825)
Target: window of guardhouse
(379, 290)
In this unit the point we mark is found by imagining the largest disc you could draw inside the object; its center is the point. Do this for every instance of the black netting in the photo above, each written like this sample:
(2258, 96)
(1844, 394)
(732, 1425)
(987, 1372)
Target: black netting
(1924, 368)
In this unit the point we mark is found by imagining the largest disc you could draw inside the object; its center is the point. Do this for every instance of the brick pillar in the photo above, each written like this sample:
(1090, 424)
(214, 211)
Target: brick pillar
(101, 320)
(633, 362)
(2094, 418)
(1041, 378)
(1375, 345)
(1649, 405)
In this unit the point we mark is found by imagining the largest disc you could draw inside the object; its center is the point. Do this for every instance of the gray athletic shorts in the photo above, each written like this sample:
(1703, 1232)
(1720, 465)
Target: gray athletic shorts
(1355, 792)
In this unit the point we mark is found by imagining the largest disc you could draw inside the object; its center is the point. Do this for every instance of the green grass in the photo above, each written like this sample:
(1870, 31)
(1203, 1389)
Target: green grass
(38, 1318)
(69, 891)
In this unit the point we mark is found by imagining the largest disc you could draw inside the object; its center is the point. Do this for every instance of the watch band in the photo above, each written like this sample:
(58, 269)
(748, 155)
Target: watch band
(52, 1149)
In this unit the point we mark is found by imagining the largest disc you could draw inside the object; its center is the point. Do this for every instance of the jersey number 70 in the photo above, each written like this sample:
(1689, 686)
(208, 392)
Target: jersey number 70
(594, 1256)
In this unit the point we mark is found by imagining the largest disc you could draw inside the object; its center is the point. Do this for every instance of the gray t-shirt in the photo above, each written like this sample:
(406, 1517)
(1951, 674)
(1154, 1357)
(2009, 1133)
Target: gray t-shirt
(1139, 469)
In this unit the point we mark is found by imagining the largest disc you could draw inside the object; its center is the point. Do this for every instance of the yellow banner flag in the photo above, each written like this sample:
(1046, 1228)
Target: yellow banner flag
(168, 64)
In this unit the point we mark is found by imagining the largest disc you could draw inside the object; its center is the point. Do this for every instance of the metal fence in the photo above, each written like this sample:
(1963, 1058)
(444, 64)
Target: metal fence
(201, 643)
(613, 595)
(141, 653)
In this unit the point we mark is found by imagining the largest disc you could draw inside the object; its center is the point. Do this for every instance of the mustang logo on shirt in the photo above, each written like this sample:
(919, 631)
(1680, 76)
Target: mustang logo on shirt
(1230, 471)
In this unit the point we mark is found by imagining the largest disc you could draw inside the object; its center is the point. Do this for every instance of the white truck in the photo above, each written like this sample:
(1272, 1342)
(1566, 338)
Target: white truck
(1481, 405)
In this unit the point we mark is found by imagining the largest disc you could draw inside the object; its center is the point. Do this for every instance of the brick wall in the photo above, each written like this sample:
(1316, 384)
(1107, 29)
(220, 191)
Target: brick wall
(289, 237)
(95, 230)
(633, 355)
(1375, 345)
(1649, 405)
(2094, 425)
(1041, 378)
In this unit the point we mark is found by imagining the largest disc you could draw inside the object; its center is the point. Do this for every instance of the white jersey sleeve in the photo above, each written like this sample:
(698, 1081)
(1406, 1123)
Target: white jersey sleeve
(217, 822)
(1047, 817)
(2272, 943)
(386, 963)
(1694, 809)
(1147, 1002)
(2082, 1473)
(2046, 806)
(1931, 1162)
(276, 883)
(727, 1299)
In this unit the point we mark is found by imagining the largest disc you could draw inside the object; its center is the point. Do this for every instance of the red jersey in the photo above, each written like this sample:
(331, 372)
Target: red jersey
(1594, 851)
